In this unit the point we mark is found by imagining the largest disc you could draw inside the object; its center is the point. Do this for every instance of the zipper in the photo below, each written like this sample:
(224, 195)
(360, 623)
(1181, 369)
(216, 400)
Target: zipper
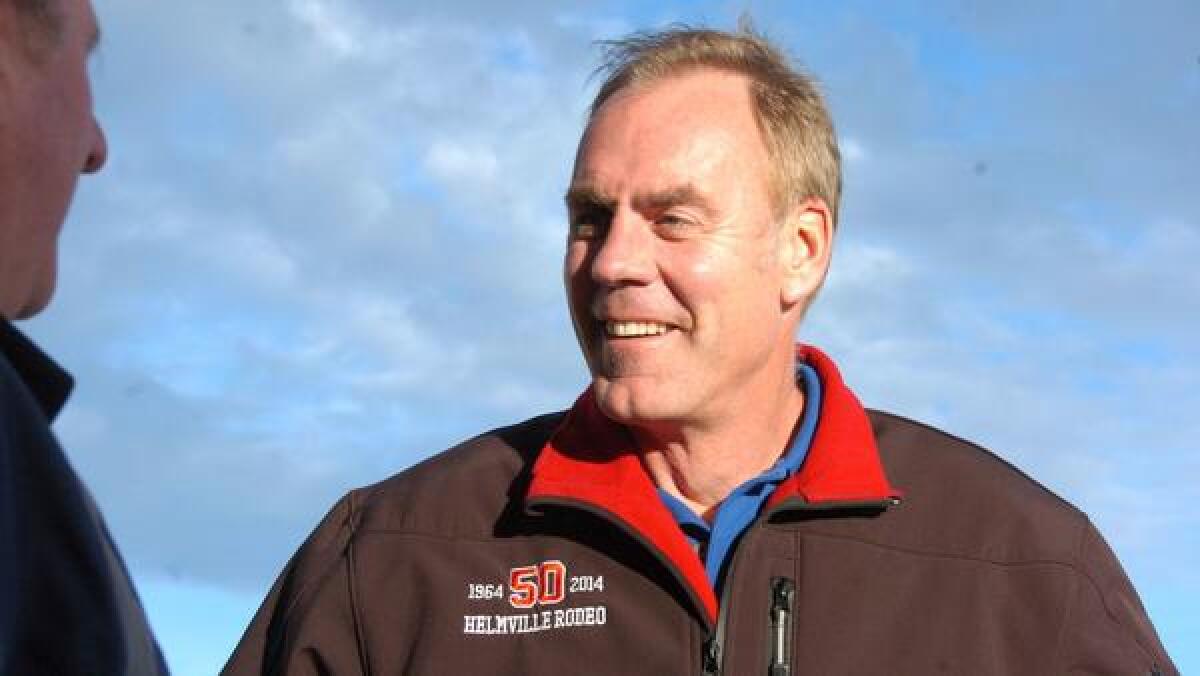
(783, 593)
(713, 655)
(711, 659)
(714, 645)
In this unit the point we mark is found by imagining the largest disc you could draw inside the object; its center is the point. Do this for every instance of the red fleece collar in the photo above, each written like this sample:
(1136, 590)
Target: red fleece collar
(843, 463)
(591, 459)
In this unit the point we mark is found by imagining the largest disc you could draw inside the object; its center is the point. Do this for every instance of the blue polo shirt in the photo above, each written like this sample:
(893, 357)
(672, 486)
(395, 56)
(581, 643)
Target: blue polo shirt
(738, 510)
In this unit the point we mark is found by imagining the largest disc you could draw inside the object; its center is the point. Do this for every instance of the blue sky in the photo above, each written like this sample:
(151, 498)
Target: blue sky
(328, 243)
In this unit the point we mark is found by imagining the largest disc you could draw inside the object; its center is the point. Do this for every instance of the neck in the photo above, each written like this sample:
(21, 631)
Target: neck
(702, 463)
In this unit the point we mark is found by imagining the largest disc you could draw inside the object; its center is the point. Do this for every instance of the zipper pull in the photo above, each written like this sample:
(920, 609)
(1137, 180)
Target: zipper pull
(712, 657)
(783, 592)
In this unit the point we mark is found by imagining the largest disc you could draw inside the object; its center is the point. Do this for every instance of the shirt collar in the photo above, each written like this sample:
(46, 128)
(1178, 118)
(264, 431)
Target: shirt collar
(49, 384)
(787, 464)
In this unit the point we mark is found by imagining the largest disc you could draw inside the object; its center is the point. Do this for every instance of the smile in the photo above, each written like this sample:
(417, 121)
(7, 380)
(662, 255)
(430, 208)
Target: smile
(630, 329)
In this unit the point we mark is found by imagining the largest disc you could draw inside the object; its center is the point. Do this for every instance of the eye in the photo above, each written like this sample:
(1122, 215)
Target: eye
(589, 224)
(674, 225)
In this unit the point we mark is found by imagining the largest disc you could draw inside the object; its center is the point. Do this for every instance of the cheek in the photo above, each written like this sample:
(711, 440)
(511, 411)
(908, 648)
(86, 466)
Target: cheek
(573, 259)
(725, 293)
(705, 268)
(701, 279)
(577, 278)
(575, 271)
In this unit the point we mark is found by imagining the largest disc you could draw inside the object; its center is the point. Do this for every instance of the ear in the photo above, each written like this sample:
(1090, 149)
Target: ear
(806, 243)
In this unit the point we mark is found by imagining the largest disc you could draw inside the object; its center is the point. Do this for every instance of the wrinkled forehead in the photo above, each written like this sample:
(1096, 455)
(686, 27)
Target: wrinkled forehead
(674, 131)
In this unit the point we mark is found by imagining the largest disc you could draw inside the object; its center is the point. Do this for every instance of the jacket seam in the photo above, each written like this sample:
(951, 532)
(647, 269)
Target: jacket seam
(352, 587)
(290, 614)
(916, 552)
(1060, 642)
(1075, 567)
(1083, 572)
(942, 555)
(429, 536)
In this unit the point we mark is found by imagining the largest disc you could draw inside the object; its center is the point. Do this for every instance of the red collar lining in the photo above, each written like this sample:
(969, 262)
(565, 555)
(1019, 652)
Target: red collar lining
(843, 461)
(594, 460)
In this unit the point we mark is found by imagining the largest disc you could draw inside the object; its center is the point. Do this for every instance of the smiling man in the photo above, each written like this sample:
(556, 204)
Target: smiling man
(717, 501)
(67, 605)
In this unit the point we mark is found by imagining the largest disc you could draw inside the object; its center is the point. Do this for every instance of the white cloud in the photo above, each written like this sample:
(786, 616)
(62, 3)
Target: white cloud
(329, 24)
(455, 161)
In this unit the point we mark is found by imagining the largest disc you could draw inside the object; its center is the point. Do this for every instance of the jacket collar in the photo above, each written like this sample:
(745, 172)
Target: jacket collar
(593, 462)
(49, 384)
(843, 464)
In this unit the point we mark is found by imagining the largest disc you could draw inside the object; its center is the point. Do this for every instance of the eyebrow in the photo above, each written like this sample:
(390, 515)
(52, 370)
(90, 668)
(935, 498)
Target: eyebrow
(583, 196)
(662, 200)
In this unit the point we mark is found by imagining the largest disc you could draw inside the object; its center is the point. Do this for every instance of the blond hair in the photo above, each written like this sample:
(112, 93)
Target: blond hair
(792, 117)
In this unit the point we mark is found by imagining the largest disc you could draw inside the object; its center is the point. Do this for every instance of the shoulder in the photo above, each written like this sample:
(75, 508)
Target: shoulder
(459, 492)
(964, 500)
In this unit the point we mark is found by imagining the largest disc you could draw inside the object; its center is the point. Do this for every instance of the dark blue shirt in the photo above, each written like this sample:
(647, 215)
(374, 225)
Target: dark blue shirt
(738, 510)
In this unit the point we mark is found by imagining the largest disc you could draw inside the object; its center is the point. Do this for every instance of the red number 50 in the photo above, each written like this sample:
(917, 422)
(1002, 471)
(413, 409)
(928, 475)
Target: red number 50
(544, 583)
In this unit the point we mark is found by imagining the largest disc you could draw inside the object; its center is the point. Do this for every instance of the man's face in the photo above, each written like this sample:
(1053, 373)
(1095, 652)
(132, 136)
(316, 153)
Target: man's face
(672, 267)
(48, 135)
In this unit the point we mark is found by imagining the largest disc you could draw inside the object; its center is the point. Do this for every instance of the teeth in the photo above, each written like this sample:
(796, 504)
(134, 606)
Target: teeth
(626, 329)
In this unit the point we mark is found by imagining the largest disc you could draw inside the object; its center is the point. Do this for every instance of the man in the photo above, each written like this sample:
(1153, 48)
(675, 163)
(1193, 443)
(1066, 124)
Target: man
(66, 602)
(717, 501)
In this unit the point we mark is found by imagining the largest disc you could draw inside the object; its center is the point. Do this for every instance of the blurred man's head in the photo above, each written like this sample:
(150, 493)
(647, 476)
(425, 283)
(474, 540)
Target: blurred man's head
(48, 136)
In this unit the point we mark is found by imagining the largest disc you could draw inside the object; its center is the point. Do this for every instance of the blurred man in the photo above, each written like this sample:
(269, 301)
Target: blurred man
(717, 501)
(66, 602)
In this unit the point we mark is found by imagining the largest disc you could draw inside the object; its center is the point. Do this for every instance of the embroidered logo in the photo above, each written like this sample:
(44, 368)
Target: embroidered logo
(543, 583)
(532, 588)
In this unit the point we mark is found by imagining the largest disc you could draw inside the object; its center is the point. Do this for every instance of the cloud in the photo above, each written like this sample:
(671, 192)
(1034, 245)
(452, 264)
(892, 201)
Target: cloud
(451, 161)
(328, 243)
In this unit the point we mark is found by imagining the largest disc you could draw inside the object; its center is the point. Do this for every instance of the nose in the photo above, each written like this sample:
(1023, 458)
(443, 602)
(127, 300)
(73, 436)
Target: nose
(626, 254)
(97, 150)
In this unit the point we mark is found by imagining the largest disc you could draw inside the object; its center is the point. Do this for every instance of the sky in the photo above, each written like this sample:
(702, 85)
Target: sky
(328, 244)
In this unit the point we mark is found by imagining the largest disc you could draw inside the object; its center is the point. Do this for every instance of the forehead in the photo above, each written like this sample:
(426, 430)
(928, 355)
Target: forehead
(682, 128)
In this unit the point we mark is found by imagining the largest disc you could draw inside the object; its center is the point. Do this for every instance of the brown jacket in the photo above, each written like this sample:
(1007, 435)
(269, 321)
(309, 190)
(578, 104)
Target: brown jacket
(542, 549)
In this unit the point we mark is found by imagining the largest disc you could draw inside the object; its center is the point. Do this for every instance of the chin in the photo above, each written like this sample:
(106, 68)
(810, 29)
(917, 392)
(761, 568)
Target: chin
(36, 302)
(627, 404)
